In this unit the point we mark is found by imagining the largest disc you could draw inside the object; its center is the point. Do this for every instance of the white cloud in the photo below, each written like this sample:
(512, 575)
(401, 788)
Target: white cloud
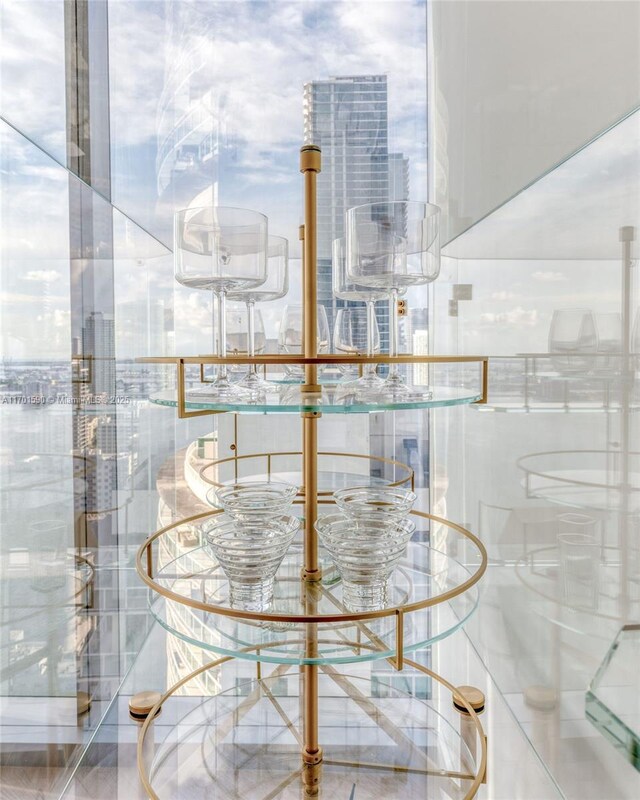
(549, 276)
(517, 316)
(32, 90)
(47, 275)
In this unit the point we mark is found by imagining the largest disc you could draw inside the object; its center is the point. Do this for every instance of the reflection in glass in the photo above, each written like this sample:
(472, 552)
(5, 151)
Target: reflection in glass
(573, 337)
(579, 564)
(635, 335)
(47, 543)
(574, 522)
(609, 342)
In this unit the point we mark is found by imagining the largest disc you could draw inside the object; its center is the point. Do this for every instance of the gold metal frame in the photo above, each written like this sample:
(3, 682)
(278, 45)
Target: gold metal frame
(470, 714)
(311, 750)
(409, 479)
(309, 362)
(145, 549)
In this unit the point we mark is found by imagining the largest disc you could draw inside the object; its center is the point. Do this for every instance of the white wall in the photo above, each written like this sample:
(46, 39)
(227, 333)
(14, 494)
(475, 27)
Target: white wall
(518, 85)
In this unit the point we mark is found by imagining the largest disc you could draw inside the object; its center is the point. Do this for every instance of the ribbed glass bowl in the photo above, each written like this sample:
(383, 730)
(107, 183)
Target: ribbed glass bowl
(384, 502)
(250, 553)
(254, 498)
(365, 551)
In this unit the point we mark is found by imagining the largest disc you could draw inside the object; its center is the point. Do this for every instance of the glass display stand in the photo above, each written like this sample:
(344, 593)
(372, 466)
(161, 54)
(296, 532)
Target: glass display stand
(397, 745)
(612, 701)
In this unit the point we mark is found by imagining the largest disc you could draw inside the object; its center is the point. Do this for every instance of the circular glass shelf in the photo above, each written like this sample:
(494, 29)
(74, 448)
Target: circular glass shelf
(331, 400)
(328, 482)
(583, 604)
(424, 573)
(330, 478)
(591, 479)
(378, 739)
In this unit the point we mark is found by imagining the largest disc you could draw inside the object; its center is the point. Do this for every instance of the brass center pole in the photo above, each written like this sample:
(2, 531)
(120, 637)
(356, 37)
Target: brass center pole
(310, 167)
(311, 573)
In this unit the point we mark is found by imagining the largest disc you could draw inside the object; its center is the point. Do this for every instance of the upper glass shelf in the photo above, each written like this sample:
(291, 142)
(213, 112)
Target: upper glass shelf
(331, 400)
(424, 572)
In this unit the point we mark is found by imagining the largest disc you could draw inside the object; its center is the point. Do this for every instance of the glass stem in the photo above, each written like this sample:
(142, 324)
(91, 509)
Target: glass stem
(214, 332)
(214, 323)
(222, 332)
(393, 330)
(370, 369)
(251, 322)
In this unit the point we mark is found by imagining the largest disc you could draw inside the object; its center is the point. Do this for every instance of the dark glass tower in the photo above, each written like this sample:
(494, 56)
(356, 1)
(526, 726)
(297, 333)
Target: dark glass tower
(347, 117)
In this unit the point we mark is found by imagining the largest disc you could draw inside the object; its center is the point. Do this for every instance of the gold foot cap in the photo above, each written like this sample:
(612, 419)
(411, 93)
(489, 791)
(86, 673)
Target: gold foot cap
(474, 697)
(140, 704)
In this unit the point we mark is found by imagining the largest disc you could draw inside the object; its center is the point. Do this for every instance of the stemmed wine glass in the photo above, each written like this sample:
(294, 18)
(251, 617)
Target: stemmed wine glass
(345, 289)
(291, 333)
(238, 340)
(275, 287)
(393, 245)
(221, 249)
(609, 327)
(573, 337)
(353, 334)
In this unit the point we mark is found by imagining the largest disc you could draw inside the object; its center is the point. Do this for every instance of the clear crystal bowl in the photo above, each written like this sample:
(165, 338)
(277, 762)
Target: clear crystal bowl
(250, 553)
(254, 499)
(390, 502)
(365, 551)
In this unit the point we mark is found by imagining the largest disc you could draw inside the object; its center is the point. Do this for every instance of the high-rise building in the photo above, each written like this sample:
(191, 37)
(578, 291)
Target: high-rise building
(398, 176)
(348, 118)
(99, 344)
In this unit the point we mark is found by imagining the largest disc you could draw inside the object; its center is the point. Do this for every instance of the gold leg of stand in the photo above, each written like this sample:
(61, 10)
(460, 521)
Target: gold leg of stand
(311, 574)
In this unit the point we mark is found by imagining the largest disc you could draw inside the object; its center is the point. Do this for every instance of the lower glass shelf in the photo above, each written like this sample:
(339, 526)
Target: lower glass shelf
(378, 739)
(423, 573)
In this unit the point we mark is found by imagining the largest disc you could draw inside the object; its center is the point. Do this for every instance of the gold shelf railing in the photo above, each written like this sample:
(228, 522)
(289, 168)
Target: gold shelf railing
(292, 360)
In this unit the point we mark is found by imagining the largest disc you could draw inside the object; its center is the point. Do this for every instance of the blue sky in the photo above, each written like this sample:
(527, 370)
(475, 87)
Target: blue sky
(255, 58)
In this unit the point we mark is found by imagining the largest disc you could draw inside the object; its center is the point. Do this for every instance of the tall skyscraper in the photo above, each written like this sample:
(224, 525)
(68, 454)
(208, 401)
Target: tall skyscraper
(99, 343)
(348, 118)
